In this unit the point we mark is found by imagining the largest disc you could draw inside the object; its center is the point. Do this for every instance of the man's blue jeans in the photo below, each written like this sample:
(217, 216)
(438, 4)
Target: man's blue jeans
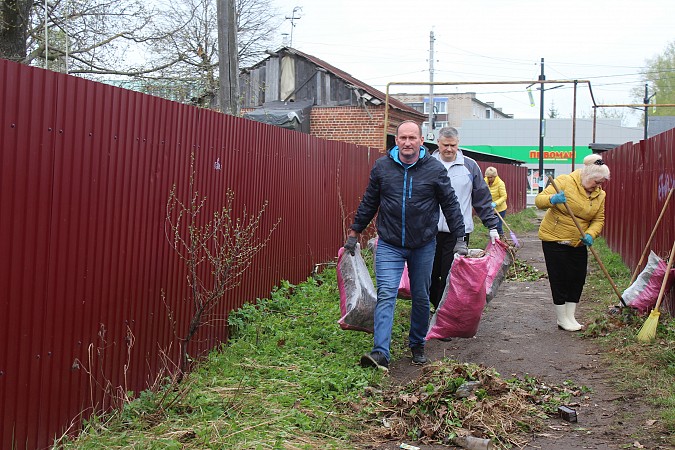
(389, 262)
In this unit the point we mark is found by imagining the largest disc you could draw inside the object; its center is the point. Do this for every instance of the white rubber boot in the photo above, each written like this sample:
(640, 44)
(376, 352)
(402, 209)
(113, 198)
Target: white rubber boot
(563, 321)
(571, 309)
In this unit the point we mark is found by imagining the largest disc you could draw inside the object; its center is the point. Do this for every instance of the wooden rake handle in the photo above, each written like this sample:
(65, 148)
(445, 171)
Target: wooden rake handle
(503, 221)
(651, 236)
(590, 247)
(665, 278)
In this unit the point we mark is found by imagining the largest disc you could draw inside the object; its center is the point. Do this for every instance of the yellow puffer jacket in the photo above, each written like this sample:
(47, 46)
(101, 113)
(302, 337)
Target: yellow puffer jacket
(557, 225)
(498, 191)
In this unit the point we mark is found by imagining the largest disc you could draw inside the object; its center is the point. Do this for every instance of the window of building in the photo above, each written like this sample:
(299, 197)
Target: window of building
(488, 113)
(418, 106)
(441, 106)
(438, 124)
(534, 180)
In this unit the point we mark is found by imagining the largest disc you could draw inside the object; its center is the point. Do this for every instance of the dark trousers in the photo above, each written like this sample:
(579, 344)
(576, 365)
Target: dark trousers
(445, 244)
(500, 230)
(566, 267)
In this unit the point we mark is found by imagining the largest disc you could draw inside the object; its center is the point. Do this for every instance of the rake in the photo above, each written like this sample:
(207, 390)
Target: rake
(511, 233)
(648, 331)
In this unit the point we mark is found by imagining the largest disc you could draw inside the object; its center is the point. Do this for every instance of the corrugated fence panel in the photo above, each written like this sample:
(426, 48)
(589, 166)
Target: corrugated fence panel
(642, 174)
(92, 295)
(515, 179)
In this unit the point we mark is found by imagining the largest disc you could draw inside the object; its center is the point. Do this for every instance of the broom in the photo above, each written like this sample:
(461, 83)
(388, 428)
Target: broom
(648, 330)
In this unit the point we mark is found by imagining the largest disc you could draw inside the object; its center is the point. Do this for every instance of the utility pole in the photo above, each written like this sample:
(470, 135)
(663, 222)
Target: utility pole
(430, 130)
(228, 60)
(541, 128)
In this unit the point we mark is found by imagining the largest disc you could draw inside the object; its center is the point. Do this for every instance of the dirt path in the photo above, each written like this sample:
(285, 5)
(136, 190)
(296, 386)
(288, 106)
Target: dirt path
(518, 336)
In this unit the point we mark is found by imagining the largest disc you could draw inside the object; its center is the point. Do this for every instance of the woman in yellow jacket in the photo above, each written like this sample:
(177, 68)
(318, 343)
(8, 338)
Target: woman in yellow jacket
(498, 191)
(565, 250)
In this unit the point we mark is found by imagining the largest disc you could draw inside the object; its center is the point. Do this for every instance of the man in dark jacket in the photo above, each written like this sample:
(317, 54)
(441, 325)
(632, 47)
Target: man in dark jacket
(405, 189)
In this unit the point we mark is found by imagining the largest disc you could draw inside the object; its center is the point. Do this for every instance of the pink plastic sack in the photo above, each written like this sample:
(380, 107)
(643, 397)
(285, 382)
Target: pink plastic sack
(357, 293)
(643, 293)
(404, 285)
(499, 260)
(463, 300)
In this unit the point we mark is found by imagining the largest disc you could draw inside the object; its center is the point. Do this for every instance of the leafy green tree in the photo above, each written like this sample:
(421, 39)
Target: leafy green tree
(660, 76)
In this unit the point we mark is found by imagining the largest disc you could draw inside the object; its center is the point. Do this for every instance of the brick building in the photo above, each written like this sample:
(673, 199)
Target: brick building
(295, 90)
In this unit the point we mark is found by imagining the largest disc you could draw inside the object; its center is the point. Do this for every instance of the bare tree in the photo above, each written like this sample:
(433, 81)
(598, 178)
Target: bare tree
(131, 38)
(216, 253)
(79, 36)
(196, 40)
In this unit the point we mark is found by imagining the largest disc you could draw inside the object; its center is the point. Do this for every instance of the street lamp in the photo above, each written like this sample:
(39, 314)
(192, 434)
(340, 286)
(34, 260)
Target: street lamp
(541, 79)
(646, 102)
(293, 18)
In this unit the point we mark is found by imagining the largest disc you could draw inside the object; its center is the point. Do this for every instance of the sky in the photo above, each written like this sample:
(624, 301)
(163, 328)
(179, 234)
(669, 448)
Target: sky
(606, 42)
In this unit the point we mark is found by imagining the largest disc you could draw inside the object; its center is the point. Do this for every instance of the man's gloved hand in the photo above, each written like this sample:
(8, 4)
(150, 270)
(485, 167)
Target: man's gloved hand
(461, 247)
(558, 198)
(493, 235)
(493, 204)
(587, 240)
(350, 245)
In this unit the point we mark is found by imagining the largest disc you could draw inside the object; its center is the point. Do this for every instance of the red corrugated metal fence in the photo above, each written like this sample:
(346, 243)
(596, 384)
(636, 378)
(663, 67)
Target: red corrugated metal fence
(85, 174)
(642, 174)
(515, 179)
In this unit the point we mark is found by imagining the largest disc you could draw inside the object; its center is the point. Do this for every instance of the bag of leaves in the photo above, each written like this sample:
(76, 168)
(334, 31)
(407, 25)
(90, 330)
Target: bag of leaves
(499, 260)
(642, 294)
(463, 300)
(357, 292)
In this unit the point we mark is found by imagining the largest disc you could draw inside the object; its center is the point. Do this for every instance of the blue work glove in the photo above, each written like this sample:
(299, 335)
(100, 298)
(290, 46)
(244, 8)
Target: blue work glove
(558, 198)
(461, 248)
(493, 204)
(587, 240)
(350, 245)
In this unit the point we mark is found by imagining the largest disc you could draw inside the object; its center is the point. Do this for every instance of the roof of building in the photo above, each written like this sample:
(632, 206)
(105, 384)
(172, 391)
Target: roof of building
(489, 157)
(347, 78)
(600, 148)
(479, 156)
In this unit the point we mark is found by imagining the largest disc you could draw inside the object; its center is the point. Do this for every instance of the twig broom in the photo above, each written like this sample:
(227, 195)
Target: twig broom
(648, 331)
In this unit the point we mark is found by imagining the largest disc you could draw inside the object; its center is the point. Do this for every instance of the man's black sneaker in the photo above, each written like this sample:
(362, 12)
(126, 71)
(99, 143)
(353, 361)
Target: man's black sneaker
(375, 359)
(418, 357)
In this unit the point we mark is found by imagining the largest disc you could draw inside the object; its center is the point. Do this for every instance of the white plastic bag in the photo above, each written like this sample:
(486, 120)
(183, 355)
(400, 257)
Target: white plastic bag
(357, 292)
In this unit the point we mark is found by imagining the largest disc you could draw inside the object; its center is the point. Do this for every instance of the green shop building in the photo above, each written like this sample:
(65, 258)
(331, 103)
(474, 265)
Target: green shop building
(518, 139)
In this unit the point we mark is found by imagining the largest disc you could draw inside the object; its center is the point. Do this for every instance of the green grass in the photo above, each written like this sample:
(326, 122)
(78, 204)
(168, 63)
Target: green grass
(284, 380)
